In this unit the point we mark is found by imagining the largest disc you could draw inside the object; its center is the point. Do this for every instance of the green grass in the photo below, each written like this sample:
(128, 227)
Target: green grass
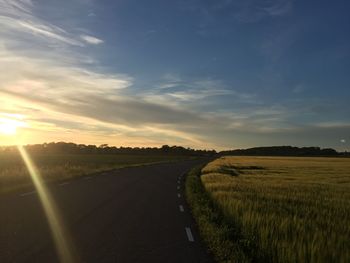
(219, 236)
(274, 209)
(56, 167)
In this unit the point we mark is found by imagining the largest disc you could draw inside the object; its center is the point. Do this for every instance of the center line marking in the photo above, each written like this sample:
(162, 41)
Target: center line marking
(29, 193)
(178, 195)
(189, 234)
(181, 208)
(62, 184)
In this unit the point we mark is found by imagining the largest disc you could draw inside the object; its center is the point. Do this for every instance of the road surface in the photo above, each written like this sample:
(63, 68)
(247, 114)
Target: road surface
(135, 214)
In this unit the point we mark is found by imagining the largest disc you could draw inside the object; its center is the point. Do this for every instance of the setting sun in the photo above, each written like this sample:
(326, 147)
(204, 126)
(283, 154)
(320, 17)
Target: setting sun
(8, 129)
(9, 126)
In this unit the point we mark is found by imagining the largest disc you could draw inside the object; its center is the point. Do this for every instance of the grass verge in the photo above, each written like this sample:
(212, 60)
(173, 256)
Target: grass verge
(218, 235)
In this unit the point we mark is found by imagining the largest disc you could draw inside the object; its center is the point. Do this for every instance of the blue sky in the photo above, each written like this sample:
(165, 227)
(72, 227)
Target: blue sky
(205, 74)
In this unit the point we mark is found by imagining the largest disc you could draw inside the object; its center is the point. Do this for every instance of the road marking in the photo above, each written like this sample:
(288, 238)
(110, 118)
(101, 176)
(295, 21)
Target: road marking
(62, 184)
(29, 193)
(189, 234)
(178, 195)
(178, 187)
(181, 208)
(88, 177)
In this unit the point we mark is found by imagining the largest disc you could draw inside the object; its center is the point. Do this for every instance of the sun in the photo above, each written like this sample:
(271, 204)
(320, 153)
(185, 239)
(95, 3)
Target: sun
(9, 126)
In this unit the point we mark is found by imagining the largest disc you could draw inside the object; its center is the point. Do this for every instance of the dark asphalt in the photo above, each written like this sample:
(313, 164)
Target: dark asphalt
(127, 215)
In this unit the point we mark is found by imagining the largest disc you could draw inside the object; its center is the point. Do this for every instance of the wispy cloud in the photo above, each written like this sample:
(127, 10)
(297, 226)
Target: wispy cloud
(48, 78)
(243, 11)
(17, 18)
(256, 10)
(57, 93)
(91, 40)
(16, 7)
(279, 7)
(48, 31)
(175, 90)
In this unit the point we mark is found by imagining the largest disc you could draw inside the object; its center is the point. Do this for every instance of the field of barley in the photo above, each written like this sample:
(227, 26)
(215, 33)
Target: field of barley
(55, 167)
(283, 209)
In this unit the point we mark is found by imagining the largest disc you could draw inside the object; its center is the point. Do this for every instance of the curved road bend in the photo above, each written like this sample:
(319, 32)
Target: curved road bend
(135, 214)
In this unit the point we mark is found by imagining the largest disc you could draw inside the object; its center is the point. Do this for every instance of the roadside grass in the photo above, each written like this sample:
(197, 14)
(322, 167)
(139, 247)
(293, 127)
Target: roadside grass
(219, 236)
(60, 167)
(274, 209)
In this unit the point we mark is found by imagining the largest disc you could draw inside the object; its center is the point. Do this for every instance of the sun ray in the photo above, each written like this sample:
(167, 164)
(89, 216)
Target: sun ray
(60, 236)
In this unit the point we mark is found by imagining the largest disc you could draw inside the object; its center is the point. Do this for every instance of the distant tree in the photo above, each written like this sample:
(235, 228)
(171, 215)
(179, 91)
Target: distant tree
(283, 151)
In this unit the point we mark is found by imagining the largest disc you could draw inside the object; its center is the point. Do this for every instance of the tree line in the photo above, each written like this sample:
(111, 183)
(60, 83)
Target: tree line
(72, 148)
(286, 151)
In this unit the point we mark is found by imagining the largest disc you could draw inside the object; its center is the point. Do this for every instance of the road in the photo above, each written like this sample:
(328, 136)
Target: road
(135, 214)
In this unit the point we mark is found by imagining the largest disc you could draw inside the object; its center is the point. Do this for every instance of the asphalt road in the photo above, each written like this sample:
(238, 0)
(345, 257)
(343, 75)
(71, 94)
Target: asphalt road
(135, 214)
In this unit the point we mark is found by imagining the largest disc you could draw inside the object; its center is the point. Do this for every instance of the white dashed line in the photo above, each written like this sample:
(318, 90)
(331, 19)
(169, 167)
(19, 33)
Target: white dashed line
(88, 177)
(189, 234)
(29, 193)
(181, 208)
(178, 195)
(178, 187)
(62, 184)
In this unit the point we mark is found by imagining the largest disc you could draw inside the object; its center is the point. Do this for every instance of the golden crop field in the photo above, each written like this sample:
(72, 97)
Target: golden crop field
(286, 209)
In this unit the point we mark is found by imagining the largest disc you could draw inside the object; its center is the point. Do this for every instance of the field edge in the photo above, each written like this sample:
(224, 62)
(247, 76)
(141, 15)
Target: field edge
(218, 236)
(25, 186)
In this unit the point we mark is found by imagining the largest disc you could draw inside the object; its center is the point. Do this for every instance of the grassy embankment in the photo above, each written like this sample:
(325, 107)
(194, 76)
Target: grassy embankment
(271, 209)
(55, 167)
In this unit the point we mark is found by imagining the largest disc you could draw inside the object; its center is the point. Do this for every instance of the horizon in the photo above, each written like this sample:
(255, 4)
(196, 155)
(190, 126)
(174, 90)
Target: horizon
(222, 75)
(170, 145)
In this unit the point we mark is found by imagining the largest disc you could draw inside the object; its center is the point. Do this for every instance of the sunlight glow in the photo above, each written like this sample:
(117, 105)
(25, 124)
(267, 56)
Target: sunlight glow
(60, 237)
(10, 123)
(7, 129)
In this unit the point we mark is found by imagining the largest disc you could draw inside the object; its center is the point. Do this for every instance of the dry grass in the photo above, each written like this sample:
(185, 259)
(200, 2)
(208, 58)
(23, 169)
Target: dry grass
(286, 209)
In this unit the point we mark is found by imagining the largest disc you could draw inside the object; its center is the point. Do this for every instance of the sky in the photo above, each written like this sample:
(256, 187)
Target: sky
(221, 74)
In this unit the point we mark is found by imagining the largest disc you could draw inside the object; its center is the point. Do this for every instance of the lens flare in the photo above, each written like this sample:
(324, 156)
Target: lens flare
(60, 237)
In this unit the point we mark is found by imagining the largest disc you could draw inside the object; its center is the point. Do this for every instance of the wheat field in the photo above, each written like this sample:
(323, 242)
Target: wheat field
(286, 209)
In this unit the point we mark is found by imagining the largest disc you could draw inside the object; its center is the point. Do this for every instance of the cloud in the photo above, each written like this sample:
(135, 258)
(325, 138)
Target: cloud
(279, 43)
(243, 11)
(256, 10)
(91, 40)
(279, 7)
(59, 95)
(18, 20)
(54, 94)
(16, 7)
(48, 31)
(61, 92)
(175, 90)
